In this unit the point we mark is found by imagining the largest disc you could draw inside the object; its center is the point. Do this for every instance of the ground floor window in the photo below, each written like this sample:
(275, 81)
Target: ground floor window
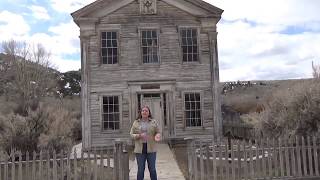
(111, 113)
(192, 109)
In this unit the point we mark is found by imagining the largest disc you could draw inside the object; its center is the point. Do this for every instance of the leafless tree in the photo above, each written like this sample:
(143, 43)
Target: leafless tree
(30, 72)
(316, 70)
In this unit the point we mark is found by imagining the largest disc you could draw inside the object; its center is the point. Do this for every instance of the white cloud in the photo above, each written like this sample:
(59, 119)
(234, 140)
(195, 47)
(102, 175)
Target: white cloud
(12, 26)
(267, 39)
(64, 65)
(39, 12)
(69, 6)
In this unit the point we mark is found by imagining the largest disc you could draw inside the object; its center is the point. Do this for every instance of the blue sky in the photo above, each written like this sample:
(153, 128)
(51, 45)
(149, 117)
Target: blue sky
(258, 39)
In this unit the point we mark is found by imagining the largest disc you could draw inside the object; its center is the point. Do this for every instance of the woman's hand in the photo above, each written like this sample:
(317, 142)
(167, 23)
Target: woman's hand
(157, 137)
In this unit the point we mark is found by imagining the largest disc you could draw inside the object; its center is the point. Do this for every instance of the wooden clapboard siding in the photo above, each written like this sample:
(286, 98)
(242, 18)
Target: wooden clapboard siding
(102, 79)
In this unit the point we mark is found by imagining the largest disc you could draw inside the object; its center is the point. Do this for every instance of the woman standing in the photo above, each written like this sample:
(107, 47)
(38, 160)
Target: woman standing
(145, 132)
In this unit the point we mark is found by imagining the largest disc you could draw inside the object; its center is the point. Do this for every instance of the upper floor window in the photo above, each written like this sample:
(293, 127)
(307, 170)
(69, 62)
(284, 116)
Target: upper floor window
(111, 113)
(149, 46)
(189, 45)
(192, 109)
(109, 47)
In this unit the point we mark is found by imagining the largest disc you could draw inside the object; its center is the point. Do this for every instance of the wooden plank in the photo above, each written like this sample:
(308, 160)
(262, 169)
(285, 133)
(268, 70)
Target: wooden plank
(82, 166)
(257, 161)
(195, 161)
(33, 175)
(263, 160)
(20, 166)
(286, 154)
(40, 164)
(68, 165)
(101, 175)
(251, 150)
(95, 168)
(270, 155)
(304, 157)
(48, 167)
(245, 164)
(208, 173)
(214, 161)
(315, 156)
(239, 160)
(233, 162)
(310, 156)
(75, 164)
(275, 159)
(6, 166)
(299, 161)
(221, 162)
(54, 168)
(61, 165)
(293, 157)
(227, 163)
(13, 165)
(281, 157)
(27, 165)
(201, 160)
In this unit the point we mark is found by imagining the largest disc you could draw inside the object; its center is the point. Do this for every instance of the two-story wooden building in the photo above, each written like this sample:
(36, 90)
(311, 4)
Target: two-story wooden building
(162, 53)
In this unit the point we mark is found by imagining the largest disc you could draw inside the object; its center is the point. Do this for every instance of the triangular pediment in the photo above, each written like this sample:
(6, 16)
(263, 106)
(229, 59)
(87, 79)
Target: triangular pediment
(101, 8)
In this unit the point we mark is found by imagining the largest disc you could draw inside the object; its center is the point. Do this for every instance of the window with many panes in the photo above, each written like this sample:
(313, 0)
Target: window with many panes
(192, 109)
(189, 44)
(111, 113)
(109, 47)
(149, 46)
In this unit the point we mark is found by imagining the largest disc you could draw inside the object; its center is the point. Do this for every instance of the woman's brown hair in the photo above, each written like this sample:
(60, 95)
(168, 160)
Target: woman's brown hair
(139, 112)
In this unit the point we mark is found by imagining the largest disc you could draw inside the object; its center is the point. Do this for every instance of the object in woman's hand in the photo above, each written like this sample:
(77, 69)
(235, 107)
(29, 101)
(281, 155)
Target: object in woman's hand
(157, 137)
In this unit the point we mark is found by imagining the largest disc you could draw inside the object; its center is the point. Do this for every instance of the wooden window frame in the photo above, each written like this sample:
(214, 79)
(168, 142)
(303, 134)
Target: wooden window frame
(198, 44)
(184, 109)
(117, 30)
(158, 45)
(103, 130)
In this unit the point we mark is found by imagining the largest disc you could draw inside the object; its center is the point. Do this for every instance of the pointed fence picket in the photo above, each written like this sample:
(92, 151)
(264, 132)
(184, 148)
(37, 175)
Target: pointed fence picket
(45, 165)
(282, 158)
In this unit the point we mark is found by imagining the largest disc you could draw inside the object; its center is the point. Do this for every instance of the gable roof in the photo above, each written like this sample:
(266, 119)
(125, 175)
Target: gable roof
(197, 8)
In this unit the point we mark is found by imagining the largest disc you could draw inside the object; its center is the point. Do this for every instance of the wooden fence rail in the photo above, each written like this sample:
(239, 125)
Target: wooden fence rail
(296, 158)
(73, 165)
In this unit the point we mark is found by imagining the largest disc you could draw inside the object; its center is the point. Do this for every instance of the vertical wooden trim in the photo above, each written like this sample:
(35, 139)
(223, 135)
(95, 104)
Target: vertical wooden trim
(6, 166)
(293, 157)
(54, 170)
(251, 160)
(270, 155)
(299, 162)
(263, 159)
(281, 157)
(245, 165)
(201, 160)
(61, 165)
(195, 161)
(27, 165)
(257, 162)
(239, 160)
(304, 157)
(233, 162)
(13, 165)
(310, 157)
(315, 156)
(214, 161)
(40, 164)
(20, 167)
(288, 164)
(207, 155)
(227, 162)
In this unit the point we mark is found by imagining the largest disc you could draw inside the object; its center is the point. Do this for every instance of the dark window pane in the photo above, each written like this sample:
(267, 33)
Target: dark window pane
(108, 35)
(195, 49)
(185, 49)
(149, 34)
(195, 57)
(115, 51)
(104, 51)
(103, 35)
(183, 33)
(149, 42)
(110, 108)
(189, 49)
(114, 35)
(116, 100)
(114, 43)
(144, 42)
(187, 97)
(189, 57)
(105, 60)
(154, 34)
(189, 41)
(111, 125)
(197, 95)
(109, 43)
(103, 43)
(144, 34)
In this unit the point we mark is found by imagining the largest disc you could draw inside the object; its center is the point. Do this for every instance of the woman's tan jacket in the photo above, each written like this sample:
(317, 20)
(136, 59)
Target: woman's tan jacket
(153, 129)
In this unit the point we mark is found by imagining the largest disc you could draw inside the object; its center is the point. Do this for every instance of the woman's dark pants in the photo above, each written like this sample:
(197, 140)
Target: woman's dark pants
(141, 161)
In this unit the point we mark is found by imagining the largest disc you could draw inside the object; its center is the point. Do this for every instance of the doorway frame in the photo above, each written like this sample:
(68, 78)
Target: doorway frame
(167, 87)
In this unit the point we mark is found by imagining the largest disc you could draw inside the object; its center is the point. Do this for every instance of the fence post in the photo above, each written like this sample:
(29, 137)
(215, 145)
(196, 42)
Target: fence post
(121, 160)
(189, 154)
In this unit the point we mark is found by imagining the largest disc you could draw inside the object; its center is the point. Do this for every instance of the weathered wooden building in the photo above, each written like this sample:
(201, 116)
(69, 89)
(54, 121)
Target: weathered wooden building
(162, 53)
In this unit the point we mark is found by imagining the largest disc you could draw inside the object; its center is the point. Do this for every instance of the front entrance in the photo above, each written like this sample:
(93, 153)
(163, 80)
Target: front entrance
(158, 108)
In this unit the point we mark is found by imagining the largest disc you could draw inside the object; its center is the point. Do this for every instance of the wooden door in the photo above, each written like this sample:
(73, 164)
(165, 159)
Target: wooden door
(155, 105)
